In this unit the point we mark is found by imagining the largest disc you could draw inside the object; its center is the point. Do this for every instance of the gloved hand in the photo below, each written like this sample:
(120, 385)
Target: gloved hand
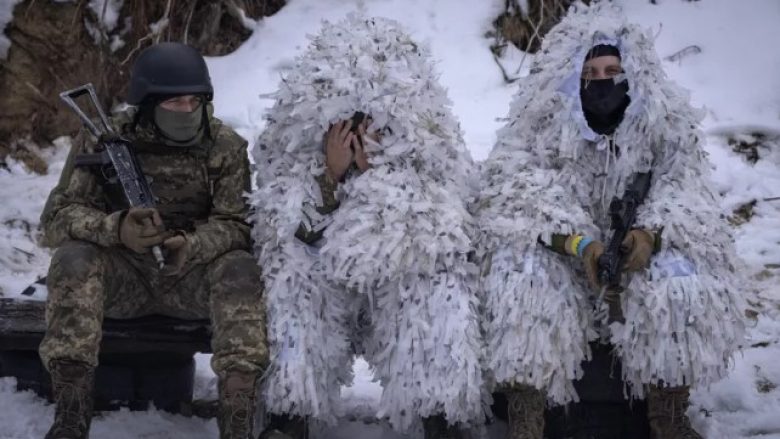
(142, 228)
(638, 247)
(178, 249)
(590, 259)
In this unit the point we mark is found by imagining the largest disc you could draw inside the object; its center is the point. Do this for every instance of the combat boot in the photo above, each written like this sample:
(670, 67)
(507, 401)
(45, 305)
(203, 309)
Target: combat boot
(436, 427)
(274, 434)
(237, 403)
(286, 427)
(666, 407)
(72, 383)
(525, 412)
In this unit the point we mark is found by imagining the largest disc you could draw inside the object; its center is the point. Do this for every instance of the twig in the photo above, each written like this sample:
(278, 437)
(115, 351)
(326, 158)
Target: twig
(679, 55)
(136, 48)
(75, 16)
(24, 251)
(36, 92)
(150, 35)
(211, 27)
(103, 14)
(163, 22)
(533, 38)
(238, 13)
(771, 199)
(507, 79)
(26, 11)
(189, 19)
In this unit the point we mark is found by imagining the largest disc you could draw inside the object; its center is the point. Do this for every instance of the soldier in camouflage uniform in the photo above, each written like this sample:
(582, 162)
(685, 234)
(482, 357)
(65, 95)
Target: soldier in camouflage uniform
(198, 170)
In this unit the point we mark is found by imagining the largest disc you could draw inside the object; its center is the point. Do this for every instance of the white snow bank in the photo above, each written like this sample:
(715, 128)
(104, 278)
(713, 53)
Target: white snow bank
(22, 196)
(736, 77)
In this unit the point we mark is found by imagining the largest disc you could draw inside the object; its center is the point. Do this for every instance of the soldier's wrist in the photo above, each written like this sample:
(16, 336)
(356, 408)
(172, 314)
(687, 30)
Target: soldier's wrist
(575, 245)
(654, 238)
(569, 245)
(332, 177)
(328, 189)
(194, 242)
(557, 243)
(111, 227)
(657, 241)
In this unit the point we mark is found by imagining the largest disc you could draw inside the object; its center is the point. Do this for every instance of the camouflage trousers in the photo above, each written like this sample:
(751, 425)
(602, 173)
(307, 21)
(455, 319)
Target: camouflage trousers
(87, 282)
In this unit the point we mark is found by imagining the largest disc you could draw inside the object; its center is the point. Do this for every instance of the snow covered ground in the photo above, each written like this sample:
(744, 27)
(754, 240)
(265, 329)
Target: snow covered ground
(735, 77)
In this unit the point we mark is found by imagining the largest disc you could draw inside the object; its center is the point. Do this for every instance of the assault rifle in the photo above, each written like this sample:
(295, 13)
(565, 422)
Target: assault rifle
(622, 214)
(116, 153)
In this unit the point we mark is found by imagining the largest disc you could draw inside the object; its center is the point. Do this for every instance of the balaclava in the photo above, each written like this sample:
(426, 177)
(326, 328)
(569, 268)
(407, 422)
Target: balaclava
(178, 128)
(604, 101)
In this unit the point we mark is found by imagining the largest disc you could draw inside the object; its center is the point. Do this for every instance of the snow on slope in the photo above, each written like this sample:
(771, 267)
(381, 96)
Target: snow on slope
(736, 77)
(22, 196)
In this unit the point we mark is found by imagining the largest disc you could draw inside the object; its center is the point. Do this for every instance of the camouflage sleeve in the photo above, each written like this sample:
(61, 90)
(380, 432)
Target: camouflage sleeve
(329, 204)
(557, 243)
(76, 207)
(226, 228)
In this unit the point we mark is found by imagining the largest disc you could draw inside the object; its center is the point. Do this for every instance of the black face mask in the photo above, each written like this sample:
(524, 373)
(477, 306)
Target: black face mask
(604, 102)
(603, 96)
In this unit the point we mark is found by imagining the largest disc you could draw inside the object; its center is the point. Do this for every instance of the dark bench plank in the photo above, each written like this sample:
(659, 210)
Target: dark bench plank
(22, 327)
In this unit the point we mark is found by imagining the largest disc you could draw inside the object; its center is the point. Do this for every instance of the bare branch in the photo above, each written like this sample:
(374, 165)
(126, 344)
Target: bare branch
(189, 20)
(506, 76)
(153, 34)
(679, 55)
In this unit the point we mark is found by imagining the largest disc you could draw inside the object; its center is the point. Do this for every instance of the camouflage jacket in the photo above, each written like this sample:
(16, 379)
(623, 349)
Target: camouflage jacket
(199, 190)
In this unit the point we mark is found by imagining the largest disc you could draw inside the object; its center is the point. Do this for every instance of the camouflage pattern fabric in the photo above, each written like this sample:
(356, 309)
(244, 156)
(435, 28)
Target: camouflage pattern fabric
(87, 282)
(200, 191)
(330, 203)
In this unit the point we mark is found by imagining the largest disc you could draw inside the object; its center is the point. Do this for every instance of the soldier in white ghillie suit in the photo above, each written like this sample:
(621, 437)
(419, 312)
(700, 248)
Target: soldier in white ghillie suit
(362, 222)
(596, 110)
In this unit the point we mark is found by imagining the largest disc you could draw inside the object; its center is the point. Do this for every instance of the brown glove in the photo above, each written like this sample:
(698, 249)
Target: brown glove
(590, 258)
(178, 250)
(638, 247)
(142, 228)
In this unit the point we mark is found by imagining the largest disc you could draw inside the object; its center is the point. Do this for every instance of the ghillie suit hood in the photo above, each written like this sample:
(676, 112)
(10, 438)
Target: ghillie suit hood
(399, 239)
(549, 172)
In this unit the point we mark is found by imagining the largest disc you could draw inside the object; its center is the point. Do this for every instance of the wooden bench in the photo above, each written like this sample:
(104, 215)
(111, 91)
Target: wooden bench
(142, 360)
(150, 359)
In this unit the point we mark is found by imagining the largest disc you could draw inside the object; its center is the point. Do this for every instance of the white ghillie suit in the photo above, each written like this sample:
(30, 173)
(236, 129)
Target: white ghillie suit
(398, 242)
(546, 175)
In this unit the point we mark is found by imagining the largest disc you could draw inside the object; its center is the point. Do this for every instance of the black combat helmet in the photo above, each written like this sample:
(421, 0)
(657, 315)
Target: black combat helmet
(169, 69)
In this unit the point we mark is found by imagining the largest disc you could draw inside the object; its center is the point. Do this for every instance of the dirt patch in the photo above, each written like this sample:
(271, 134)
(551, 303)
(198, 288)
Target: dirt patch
(753, 146)
(526, 29)
(60, 45)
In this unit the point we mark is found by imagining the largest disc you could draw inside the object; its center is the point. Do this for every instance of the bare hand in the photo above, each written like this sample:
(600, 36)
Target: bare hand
(338, 153)
(178, 249)
(142, 228)
(361, 159)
